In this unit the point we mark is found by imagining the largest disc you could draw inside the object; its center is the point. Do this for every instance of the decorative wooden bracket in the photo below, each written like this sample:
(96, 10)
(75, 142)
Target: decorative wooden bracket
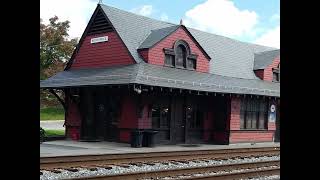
(59, 99)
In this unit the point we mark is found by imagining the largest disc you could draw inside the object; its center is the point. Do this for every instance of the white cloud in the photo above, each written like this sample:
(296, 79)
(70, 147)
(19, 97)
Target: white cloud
(222, 17)
(145, 10)
(78, 12)
(270, 38)
(164, 17)
(275, 17)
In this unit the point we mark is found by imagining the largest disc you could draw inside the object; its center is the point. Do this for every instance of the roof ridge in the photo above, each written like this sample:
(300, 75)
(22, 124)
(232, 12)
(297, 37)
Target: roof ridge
(267, 51)
(186, 27)
(136, 14)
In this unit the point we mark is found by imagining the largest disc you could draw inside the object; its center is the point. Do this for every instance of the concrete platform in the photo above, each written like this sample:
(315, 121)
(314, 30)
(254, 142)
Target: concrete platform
(68, 147)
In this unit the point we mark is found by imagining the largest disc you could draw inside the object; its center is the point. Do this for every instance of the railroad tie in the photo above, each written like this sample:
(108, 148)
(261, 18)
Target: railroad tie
(72, 169)
(124, 166)
(55, 171)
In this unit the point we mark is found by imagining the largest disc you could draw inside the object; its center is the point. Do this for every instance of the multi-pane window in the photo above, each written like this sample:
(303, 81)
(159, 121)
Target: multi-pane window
(253, 114)
(191, 64)
(160, 114)
(169, 60)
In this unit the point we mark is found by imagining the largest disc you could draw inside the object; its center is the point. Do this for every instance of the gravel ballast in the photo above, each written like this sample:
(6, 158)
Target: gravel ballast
(98, 171)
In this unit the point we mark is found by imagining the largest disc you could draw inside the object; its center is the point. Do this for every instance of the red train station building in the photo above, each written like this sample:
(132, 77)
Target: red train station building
(133, 72)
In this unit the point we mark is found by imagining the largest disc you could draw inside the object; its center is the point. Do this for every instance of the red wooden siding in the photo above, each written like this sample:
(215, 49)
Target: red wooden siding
(255, 136)
(235, 113)
(145, 121)
(144, 54)
(259, 73)
(243, 135)
(110, 53)
(128, 118)
(156, 54)
(72, 121)
(268, 74)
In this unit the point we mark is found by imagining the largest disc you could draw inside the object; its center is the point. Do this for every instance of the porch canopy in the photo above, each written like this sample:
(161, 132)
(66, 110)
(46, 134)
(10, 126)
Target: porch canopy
(154, 75)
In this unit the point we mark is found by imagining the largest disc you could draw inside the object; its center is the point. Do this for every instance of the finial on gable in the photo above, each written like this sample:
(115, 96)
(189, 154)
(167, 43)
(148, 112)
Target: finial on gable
(181, 22)
(100, 2)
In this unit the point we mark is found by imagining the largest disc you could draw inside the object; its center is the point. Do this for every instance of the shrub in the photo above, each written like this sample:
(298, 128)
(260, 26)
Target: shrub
(42, 135)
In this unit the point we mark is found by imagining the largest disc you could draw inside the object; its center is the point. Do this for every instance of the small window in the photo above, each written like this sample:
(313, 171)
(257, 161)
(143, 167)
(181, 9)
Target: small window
(276, 77)
(169, 60)
(276, 74)
(191, 64)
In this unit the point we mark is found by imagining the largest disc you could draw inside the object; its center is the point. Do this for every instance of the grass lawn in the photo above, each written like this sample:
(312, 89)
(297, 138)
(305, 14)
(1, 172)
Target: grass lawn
(51, 132)
(51, 113)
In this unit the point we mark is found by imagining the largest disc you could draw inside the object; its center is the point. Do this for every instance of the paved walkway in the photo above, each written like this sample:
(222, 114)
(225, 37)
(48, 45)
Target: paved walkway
(52, 124)
(68, 147)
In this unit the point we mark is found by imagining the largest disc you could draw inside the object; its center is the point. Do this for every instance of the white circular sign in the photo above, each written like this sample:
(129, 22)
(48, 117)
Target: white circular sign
(101, 107)
(273, 108)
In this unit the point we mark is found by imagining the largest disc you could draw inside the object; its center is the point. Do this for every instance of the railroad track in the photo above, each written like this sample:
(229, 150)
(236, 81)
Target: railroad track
(218, 172)
(49, 163)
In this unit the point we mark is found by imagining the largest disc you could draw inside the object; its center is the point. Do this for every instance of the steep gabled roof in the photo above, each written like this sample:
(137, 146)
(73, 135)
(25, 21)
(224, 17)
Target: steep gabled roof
(264, 59)
(229, 57)
(157, 35)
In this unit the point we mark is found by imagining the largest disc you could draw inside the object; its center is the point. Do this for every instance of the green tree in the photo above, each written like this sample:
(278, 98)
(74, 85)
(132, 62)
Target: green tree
(55, 46)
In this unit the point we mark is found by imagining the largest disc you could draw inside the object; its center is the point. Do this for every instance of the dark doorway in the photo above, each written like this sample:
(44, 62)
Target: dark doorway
(88, 125)
(113, 109)
(194, 112)
(277, 133)
(161, 119)
(220, 119)
(179, 120)
(100, 112)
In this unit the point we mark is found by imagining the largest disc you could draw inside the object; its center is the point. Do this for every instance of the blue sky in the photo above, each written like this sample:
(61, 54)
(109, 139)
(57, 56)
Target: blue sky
(252, 21)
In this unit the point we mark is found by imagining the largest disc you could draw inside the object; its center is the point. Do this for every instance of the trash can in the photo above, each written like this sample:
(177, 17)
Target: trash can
(149, 138)
(136, 138)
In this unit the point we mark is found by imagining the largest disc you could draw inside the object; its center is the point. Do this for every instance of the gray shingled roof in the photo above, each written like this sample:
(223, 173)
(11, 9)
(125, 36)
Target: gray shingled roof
(148, 74)
(231, 67)
(157, 35)
(229, 57)
(263, 59)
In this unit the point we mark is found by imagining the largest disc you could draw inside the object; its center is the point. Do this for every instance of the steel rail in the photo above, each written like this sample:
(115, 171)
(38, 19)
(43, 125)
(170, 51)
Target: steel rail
(92, 160)
(198, 170)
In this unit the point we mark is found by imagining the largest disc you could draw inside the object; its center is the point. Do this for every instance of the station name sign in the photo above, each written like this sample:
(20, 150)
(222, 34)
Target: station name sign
(99, 39)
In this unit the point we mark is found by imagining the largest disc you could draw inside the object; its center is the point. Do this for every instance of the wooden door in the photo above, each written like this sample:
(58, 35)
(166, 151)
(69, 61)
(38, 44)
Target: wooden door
(179, 120)
(88, 130)
(113, 108)
(100, 112)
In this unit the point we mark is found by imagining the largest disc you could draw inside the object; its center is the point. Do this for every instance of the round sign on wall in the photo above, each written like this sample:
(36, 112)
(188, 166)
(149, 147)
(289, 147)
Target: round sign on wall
(273, 108)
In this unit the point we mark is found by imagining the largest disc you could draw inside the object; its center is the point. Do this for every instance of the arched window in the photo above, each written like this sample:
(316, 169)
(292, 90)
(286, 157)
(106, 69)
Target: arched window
(180, 56)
